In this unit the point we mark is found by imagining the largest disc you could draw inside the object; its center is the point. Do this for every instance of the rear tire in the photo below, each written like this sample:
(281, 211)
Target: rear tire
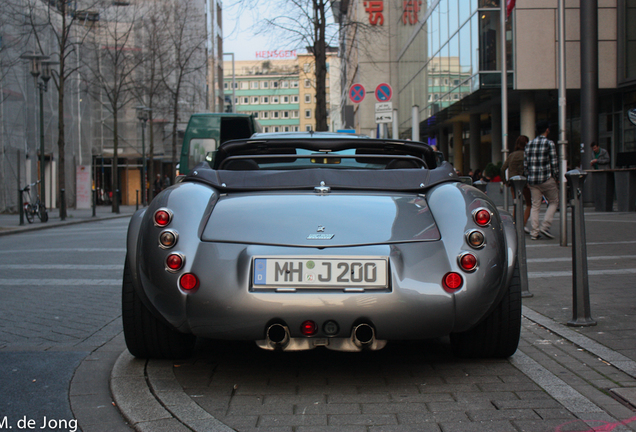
(497, 336)
(146, 335)
(28, 212)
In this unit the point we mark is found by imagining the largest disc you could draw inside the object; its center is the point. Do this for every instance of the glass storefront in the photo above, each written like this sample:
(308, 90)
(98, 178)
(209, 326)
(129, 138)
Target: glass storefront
(443, 55)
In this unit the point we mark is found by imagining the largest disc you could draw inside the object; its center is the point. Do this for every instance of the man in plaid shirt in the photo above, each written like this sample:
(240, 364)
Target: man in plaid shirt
(541, 167)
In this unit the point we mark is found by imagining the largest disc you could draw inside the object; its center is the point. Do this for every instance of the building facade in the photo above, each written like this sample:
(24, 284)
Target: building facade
(444, 57)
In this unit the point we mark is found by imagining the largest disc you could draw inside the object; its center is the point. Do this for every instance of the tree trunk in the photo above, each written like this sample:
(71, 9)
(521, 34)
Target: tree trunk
(115, 164)
(320, 55)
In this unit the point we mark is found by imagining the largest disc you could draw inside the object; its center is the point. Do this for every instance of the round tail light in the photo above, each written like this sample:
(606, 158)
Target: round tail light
(168, 239)
(308, 328)
(189, 282)
(468, 262)
(476, 239)
(162, 217)
(174, 261)
(452, 282)
(482, 217)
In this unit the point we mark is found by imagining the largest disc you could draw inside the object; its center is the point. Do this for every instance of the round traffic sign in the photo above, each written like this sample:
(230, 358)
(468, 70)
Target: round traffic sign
(357, 93)
(383, 92)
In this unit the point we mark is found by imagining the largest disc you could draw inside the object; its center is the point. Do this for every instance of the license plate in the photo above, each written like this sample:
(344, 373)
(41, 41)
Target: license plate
(320, 272)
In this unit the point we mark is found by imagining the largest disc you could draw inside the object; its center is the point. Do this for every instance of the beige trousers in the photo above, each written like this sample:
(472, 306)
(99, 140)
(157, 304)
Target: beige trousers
(550, 190)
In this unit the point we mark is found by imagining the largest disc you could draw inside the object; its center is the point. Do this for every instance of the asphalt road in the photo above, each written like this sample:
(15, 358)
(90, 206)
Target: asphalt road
(60, 291)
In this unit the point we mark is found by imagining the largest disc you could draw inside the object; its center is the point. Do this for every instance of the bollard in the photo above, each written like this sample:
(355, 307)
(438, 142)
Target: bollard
(137, 200)
(518, 183)
(62, 204)
(94, 202)
(117, 197)
(581, 314)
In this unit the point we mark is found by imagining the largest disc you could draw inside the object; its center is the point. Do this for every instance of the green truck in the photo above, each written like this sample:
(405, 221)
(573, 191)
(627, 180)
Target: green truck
(206, 131)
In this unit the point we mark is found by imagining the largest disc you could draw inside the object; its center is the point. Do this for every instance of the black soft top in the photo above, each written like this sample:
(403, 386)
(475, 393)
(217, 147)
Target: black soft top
(418, 167)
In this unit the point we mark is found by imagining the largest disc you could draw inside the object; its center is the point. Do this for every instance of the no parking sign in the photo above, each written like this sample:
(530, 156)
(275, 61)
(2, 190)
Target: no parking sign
(357, 93)
(383, 92)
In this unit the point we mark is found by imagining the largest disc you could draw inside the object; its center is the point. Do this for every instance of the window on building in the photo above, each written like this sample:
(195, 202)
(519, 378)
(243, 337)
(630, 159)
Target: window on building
(308, 113)
(226, 85)
(285, 114)
(286, 128)
(307, 98)
(264, 84)
(274, 84)
(275, 114)
(276, 129)
(294, 114)
(275, 99)
(246, 100)
(265, 114)
(285, 84)
(266, 129)
(285, 99)
(307, 83)
(294, 84)
(254, 84)
(308, 128)
(265, 99)
(295, 99)
(295, 128)
(306, 67)
(254, 99)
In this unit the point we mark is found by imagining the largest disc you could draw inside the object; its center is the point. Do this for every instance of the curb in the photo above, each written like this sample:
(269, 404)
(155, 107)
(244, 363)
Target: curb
(150, 398)
(45, 225)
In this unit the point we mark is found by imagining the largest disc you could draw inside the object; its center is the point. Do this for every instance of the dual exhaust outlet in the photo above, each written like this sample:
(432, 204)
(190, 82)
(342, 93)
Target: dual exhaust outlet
(362, 336)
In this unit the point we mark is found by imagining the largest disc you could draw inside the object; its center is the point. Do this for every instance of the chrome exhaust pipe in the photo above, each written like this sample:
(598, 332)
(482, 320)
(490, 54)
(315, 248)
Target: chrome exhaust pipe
(277, 335)
(363, 335)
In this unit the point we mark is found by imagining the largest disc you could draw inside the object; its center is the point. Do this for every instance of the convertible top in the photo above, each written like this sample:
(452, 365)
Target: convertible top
(357, 179)
(404, 165)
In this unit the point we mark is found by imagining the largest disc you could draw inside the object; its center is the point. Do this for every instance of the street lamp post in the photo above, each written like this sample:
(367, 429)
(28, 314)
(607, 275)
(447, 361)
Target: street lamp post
(143, 114)
(37, 63)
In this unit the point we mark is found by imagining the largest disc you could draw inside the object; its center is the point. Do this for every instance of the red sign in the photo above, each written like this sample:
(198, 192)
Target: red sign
(410, 9)
(383, 92)
(375, 8)
(357, 93)
(276, 54)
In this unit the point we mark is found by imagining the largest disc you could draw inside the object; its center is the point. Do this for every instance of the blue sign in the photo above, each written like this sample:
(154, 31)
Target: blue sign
(383, 92)
(357, 93)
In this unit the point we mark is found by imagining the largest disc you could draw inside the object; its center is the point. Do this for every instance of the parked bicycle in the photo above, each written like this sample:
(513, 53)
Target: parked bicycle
(33, 208)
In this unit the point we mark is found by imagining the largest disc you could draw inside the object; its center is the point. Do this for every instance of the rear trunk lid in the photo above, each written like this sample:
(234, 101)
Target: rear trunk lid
(320, 220)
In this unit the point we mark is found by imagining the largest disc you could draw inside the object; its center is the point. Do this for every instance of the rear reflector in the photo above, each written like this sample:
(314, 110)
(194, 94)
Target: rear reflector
(189, 282)
(452, 282)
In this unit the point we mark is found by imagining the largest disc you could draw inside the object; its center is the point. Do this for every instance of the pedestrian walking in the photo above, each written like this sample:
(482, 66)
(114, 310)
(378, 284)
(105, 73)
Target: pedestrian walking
(514, 165)
(601, 157)
(166, 181)
(541, 167)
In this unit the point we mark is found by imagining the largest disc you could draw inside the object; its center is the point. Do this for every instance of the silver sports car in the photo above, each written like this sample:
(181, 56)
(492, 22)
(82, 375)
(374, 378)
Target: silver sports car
(321, 240)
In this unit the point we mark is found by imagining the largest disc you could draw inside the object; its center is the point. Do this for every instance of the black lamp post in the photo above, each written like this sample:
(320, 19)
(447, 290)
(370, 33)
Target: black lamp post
(40, 66)
(143, 113)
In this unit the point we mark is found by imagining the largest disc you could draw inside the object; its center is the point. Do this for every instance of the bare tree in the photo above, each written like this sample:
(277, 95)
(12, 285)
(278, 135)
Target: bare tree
(116, 59)
(186, 57)
(59, 18)
(151, 90)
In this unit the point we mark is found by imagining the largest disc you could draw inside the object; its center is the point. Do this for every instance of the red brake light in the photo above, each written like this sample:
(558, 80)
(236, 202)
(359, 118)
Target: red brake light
(482, 217)
(162, 217)
(174, 261)
(189, 282)
(308, 328)
(468, 262)
(452, 282)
